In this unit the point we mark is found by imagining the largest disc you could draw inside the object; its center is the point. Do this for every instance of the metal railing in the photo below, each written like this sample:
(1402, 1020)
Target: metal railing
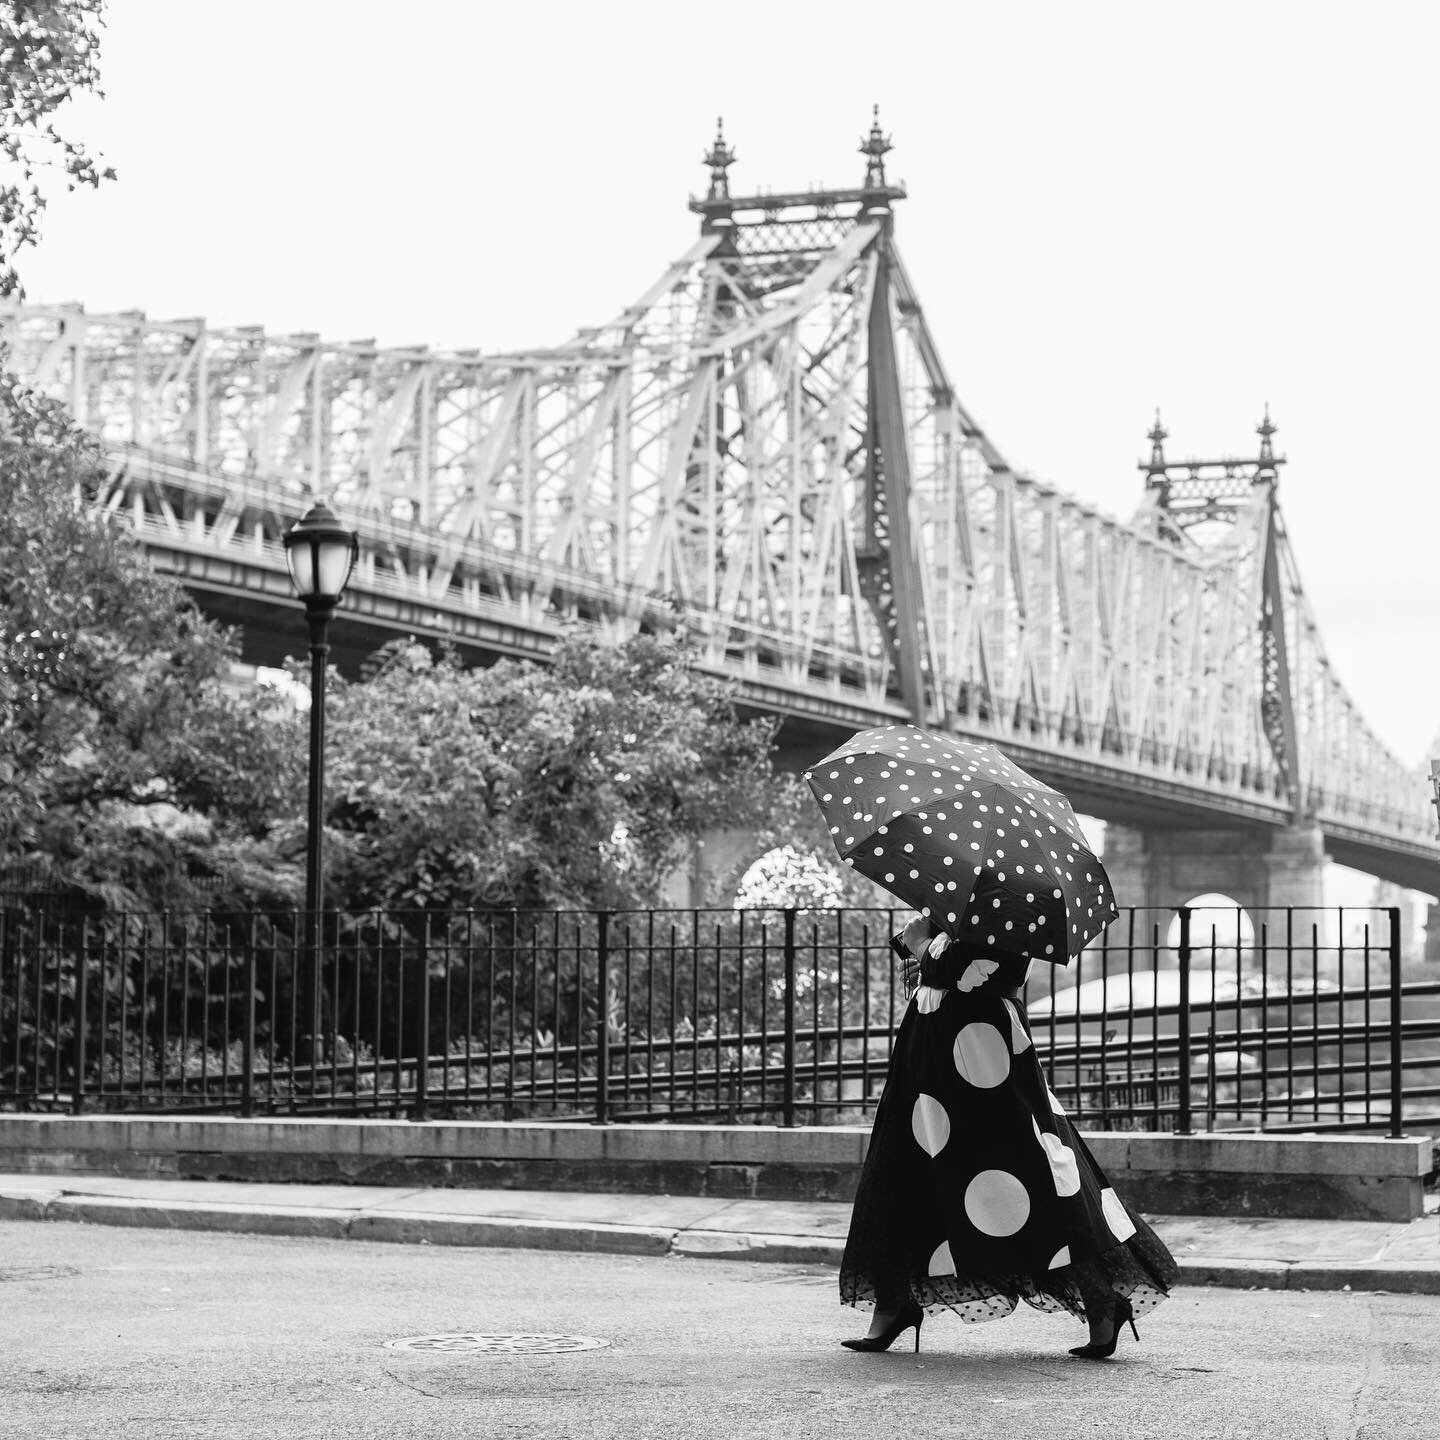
(1173, 1020)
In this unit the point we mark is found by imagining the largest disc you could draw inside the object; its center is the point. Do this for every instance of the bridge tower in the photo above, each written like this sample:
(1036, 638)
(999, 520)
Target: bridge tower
(1199, 505)
(886, 554)
(887, 561)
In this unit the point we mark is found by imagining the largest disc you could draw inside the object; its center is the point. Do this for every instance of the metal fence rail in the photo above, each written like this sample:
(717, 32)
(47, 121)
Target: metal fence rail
(1173, 1020)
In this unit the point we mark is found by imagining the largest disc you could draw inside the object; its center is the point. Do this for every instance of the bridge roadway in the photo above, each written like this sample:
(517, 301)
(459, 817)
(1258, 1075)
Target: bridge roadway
(251, 590)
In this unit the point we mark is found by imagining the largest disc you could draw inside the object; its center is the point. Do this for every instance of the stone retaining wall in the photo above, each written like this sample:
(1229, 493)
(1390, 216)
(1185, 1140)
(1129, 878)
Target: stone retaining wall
(1322, 1176)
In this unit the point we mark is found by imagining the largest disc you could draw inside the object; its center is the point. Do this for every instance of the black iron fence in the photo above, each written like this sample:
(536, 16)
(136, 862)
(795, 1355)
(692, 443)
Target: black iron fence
(1174, 1020)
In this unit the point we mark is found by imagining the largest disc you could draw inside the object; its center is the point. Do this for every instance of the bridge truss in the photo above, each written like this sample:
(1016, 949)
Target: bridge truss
(766, 451)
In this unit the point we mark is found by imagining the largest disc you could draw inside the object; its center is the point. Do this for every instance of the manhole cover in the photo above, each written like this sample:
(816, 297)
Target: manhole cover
(479, 1342)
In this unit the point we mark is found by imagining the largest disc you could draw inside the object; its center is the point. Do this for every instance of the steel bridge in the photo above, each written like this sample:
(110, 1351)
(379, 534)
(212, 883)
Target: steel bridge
(766, 452)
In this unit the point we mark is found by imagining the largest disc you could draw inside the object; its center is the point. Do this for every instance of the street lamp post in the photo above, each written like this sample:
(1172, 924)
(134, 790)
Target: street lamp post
(321, 553)
(1435, 787)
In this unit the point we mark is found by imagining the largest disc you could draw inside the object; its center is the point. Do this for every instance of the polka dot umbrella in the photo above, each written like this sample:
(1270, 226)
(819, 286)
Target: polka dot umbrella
(966, 837)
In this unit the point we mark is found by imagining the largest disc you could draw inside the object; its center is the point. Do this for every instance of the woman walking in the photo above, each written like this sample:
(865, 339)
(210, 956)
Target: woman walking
(977, 1192)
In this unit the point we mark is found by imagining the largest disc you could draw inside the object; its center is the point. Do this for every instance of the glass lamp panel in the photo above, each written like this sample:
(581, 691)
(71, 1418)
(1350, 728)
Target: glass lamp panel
(301, 558)
(334, 565)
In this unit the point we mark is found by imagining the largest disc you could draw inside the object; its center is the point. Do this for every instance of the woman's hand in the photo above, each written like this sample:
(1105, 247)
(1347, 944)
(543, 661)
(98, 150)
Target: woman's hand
(914, 939)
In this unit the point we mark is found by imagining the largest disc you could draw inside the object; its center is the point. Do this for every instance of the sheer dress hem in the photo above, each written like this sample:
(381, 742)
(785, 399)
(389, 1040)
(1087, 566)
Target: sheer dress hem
(1070, 1288)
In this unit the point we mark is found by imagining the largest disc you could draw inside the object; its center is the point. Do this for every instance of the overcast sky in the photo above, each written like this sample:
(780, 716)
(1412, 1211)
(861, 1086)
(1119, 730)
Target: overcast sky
(1112, 207)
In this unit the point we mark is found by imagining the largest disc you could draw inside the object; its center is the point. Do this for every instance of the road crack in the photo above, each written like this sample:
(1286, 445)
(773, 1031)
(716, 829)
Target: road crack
(1360, 1402)
(409, 1385)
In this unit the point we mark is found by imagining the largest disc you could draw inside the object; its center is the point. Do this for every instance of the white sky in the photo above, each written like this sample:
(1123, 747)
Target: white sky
(1113, 206)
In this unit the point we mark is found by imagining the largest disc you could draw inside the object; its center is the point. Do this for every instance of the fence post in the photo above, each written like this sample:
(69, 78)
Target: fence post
(789, 1091)
(77, 1098)
(602, 1020)
(1397, 1075)
(420, 1110)
(1182, 1120)
(247, 1054)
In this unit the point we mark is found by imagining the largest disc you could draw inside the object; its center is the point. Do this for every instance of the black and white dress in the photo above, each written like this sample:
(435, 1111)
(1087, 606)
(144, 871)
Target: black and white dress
(977, 1192)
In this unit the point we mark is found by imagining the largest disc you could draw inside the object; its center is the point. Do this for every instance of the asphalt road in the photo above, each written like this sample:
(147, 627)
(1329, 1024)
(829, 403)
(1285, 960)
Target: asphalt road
(112, 1332)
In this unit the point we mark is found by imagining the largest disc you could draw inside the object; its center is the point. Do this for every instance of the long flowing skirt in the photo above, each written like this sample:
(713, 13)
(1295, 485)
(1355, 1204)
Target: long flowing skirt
(977, 1192)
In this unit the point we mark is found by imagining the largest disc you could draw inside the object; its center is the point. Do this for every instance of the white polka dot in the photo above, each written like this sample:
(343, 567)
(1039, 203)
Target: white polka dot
(1055, 1106)
(996, 1203)
(976, 973)
(1019, 1038)
(1122, 1227)
(930, 1123)
(928, 998)
(1063, 1168)
(981, 1055)
(942, 1262)
(1061, 1257)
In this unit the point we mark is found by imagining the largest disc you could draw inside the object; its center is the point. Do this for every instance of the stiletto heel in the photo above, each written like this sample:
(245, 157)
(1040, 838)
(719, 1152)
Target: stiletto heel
(1124, 1315)
(909, 1314)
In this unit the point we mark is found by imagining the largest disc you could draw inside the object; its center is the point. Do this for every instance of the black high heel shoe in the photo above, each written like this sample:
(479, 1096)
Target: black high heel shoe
(1097, 1350)
(908, 1314)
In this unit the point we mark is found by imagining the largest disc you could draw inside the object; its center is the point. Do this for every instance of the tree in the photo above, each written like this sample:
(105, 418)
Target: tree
(580, 783)
(129, 767)
(799, 864)
(785, 876)
(49, 50)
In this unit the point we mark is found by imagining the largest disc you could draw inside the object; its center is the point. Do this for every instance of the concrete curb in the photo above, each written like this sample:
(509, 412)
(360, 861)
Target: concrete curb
(230, 1219)
(1380, 1276)
(781, 1249)
(416, 1228)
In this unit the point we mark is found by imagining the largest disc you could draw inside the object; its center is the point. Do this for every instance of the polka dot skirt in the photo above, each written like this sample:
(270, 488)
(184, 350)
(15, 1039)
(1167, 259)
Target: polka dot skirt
(977, 1192)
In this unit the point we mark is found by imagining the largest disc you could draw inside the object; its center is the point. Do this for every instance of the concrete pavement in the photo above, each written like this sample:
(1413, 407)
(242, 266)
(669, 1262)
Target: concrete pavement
(1230, 1251)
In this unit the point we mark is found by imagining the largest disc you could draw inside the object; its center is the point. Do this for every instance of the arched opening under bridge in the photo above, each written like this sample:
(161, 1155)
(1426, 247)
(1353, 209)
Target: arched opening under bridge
(1219, 924)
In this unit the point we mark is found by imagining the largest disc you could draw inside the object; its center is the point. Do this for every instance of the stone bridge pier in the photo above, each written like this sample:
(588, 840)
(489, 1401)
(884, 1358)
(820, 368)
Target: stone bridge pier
(1258, 869)
(716, 864)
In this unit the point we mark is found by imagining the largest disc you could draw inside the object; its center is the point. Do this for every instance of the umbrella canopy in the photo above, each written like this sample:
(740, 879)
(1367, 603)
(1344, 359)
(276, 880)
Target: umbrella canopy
(966, 837)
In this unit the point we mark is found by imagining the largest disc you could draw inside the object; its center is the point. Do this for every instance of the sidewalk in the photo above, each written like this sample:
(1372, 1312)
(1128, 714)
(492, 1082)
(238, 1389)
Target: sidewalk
(1275, 1253)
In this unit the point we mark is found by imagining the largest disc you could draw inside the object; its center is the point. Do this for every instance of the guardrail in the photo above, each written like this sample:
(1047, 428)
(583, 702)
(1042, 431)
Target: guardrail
(1174, 1020)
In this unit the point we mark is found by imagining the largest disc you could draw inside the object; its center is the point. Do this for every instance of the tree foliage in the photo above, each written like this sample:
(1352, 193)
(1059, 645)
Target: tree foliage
(49, 51)
(578, 783)
(129, 766)
(797, 861)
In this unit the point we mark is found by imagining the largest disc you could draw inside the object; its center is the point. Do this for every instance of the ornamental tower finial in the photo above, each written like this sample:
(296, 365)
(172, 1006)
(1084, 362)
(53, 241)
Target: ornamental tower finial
(1157, 438)
(1265, 429)
(875, 146)
(720, 159)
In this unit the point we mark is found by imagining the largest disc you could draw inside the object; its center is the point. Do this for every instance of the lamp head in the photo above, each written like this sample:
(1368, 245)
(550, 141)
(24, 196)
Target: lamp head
(321, 553)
